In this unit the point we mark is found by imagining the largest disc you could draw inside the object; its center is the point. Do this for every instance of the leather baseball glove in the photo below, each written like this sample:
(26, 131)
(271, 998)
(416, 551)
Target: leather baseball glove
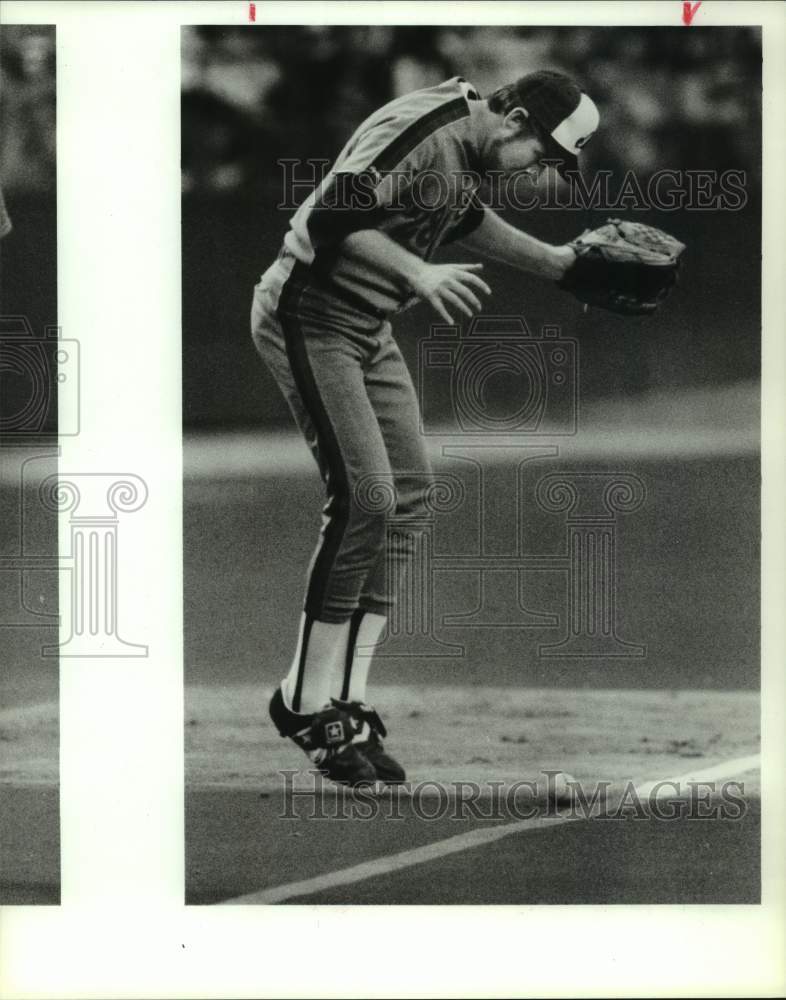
(626, 267)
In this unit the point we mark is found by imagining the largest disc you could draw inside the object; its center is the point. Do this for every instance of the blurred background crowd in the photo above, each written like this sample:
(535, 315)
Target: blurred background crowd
(250, 96)
(28, 177)
(27, 108)
(668, 96)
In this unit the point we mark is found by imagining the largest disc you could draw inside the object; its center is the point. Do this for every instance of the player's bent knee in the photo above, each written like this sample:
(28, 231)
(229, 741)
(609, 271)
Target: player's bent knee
(370, 530)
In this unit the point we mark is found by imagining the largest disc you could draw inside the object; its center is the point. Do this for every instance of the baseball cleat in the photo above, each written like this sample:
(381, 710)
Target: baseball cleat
(368, 741)
(327, 739)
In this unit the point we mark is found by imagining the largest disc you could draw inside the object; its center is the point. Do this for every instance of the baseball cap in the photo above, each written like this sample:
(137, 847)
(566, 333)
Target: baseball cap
(566, 115)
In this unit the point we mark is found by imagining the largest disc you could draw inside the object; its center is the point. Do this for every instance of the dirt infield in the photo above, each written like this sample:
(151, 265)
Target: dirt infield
(451, 733)
(246, 838)
(236, 840)
(29, 805)
(29, 844)
(30, 747)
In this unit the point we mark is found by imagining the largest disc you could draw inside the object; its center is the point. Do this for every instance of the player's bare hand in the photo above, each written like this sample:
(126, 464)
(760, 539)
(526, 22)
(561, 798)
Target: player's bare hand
(450, 286)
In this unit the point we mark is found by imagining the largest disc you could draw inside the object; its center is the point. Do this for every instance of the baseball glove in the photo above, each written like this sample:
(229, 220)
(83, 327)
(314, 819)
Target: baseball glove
(625, 267)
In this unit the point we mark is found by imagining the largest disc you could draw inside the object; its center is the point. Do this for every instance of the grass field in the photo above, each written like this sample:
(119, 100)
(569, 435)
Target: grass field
(687, 580)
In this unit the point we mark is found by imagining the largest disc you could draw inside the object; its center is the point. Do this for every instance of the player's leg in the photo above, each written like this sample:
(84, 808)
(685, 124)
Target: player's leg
(321, 374)
(394, 400)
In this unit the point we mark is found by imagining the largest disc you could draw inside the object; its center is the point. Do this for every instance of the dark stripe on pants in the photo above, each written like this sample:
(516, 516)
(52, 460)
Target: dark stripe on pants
(301, 666)
(331, 459)
(354, 628)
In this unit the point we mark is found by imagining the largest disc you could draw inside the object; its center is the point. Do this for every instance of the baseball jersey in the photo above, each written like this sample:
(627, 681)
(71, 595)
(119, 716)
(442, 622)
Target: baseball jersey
(411, 170)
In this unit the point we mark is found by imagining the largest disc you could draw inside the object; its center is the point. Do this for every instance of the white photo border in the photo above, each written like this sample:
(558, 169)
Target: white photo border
(122, 929)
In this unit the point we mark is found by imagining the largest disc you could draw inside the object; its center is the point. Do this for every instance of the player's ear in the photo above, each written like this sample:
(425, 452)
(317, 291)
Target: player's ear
(516, 120)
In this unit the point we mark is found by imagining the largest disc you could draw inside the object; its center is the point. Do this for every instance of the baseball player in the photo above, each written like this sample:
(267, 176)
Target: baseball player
(357, 252)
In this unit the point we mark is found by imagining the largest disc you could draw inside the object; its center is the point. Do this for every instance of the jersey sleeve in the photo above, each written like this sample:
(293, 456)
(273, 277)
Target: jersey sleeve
(468, 222)
(374, 175)
(359, 194)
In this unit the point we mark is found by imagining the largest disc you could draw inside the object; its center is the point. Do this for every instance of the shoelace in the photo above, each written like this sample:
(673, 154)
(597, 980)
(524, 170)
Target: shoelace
(365, 713)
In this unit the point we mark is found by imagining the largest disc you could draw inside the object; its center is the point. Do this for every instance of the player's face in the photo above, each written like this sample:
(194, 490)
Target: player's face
(514, 148)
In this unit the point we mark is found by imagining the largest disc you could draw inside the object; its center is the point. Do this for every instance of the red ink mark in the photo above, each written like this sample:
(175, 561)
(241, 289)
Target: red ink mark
(252, 12)
(688, 10)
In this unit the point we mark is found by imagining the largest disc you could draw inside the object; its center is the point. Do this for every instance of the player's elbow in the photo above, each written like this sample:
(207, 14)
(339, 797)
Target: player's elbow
(346, 206)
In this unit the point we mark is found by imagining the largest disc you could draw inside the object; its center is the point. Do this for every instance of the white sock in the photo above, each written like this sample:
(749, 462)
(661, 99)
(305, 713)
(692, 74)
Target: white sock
(358, 659)
(321, 649)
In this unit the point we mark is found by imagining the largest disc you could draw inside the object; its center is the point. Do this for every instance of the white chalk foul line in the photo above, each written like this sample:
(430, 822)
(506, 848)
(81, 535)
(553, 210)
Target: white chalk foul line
(474, 838)
(727, 770)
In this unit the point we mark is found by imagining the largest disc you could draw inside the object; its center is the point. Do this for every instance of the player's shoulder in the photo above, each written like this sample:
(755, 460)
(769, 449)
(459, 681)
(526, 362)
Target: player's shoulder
(434, 120)
(450, 98)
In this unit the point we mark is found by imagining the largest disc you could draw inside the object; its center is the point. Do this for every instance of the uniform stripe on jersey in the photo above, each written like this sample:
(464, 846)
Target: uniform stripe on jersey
(339, 222)
(335, 473)
(419, 130)
(344, 207)
(354, 628)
